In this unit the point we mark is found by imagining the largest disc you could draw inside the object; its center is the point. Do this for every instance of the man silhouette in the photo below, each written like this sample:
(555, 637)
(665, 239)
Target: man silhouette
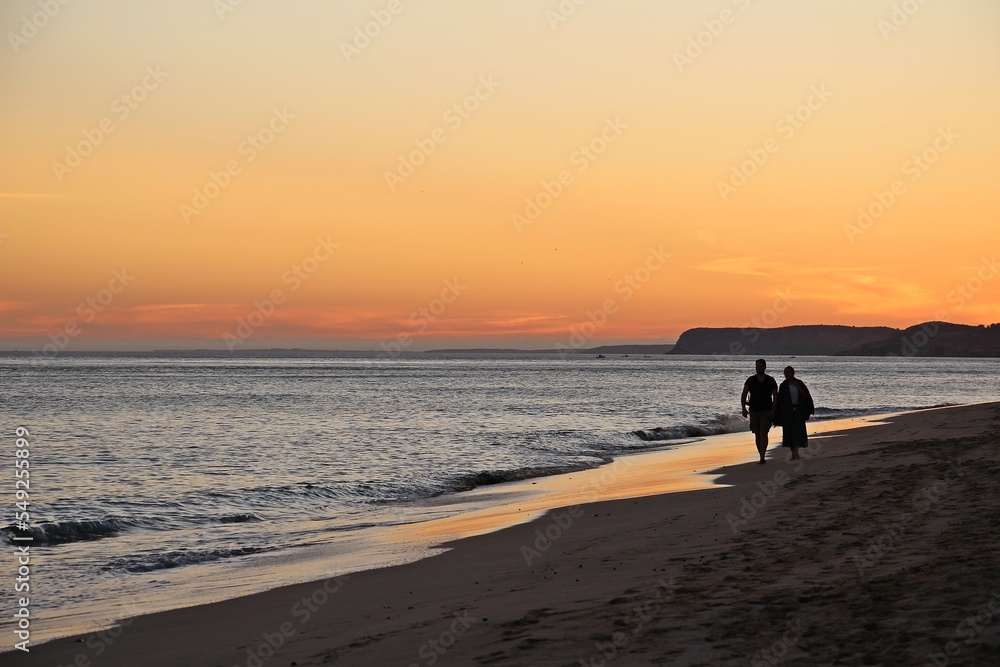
(763, 393)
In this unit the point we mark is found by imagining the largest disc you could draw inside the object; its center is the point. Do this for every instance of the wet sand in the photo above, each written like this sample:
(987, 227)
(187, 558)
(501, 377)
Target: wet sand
(882, 547)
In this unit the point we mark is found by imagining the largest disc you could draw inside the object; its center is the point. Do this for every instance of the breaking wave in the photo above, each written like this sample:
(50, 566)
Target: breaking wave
(178, 558)
(722, 423)
(490, 477)
(62, 532)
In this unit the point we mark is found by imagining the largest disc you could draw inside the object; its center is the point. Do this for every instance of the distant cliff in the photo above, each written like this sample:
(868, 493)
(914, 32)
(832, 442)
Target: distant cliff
(819, 339)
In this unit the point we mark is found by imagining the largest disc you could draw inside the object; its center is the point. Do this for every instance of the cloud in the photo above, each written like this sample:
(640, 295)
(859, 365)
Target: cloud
(849, 290)
(212, 320)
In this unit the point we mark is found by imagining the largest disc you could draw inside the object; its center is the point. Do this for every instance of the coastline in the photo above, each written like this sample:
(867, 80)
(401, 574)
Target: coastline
(646, 576)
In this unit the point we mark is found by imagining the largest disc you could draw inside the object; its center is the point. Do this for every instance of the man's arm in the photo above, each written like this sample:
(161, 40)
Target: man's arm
(743, 400)
(774, 400)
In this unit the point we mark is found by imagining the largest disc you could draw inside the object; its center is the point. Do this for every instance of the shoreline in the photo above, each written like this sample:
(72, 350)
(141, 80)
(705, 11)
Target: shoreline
(375, 620)
(480, 510)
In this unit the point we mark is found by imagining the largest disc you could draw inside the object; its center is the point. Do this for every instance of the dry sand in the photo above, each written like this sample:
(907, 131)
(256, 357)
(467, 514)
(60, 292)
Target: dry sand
(881, 548)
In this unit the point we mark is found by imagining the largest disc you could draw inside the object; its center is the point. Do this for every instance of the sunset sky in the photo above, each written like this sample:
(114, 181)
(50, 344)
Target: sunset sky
(264, 173)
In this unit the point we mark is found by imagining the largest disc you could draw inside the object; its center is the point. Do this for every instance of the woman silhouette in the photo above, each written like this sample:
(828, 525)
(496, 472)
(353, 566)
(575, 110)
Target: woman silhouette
(795, 405)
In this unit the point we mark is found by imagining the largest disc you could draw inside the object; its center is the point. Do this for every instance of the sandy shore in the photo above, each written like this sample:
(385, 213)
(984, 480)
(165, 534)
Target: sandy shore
(881, 548)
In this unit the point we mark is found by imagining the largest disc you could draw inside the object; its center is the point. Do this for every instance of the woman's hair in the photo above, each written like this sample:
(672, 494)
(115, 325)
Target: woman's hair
(789, 368)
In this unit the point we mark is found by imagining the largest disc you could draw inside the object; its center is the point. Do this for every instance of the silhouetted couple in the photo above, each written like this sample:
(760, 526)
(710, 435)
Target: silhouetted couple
(787, 406)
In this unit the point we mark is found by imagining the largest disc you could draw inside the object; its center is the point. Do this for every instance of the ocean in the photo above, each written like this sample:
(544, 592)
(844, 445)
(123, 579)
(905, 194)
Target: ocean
(164, 481)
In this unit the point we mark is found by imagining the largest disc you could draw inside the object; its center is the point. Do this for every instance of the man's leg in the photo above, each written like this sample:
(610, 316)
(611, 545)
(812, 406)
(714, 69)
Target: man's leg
(761, 440)
(763, 426)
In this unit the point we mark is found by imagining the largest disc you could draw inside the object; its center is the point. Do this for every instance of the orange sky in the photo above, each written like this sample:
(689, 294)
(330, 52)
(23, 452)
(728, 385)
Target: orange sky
(271, 176)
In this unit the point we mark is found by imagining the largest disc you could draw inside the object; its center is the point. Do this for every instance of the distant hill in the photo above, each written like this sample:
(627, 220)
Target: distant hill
(629, 349)
(930, 339)
(487, 350)
(604, 349)
(935, 339)
(821, 339)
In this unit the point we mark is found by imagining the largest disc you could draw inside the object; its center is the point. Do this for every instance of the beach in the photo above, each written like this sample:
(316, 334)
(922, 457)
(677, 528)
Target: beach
(879, 548)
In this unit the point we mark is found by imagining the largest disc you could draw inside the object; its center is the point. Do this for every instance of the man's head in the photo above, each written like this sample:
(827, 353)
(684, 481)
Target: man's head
(761, 366)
